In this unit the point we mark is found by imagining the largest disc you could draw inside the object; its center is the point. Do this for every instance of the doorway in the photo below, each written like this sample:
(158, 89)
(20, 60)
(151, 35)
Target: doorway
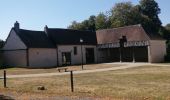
(127, 54)
(90, 55)
(66, 58)
(114, 55)
(141, 54)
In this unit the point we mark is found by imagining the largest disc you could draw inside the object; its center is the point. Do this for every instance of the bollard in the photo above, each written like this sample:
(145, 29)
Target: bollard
(71, 79)
(5, 79)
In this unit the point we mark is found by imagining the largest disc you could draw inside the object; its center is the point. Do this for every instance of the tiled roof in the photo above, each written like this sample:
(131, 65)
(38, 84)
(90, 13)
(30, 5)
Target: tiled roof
(56, 36)
(35, 39)
(132, 33)
(71, 37)
(40, 39)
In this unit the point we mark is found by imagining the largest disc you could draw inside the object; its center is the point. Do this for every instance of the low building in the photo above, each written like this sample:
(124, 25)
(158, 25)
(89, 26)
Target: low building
(130, 44)
(49, 48)
(60, 47)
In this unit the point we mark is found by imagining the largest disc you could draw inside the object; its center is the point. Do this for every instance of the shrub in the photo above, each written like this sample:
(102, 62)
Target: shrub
(167, 57)
(1, 60)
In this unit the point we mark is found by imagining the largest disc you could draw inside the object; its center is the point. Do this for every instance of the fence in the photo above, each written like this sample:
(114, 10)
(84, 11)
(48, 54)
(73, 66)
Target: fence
(4, 78)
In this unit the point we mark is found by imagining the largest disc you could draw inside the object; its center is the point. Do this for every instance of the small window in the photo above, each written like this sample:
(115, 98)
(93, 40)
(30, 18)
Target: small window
(75, 50)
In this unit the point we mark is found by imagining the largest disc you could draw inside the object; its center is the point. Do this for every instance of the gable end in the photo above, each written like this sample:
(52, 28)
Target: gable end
(13, 42)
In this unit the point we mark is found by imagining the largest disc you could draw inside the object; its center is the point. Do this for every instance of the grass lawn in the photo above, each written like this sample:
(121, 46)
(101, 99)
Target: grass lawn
(18, 71)
(142, 83)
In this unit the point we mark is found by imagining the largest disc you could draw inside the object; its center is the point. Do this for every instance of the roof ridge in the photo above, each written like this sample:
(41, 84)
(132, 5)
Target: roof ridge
(139, 25)
(31, 30)
(35, 39)
(71, 29)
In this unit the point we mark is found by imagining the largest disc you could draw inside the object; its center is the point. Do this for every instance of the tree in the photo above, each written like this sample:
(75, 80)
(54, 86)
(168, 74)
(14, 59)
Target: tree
(125, 13)
(88, 24)
(1, 43)
(151, 9)
(84, 25)
(165, 32)
(91, 23)
(75, 25)
(102, 22)
(167, 27)
(120, 13)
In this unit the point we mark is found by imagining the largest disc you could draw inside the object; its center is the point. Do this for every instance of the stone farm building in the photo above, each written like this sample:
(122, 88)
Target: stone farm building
(59, 47)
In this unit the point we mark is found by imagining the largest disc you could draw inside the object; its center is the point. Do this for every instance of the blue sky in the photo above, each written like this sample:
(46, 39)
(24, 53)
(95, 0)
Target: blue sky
(35, 14)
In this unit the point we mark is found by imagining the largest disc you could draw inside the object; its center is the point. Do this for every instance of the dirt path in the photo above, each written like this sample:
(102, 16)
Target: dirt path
(128, 65)
(124, 66)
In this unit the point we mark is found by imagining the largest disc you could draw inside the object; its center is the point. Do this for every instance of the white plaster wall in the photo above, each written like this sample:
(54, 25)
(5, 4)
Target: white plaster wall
(75, 59)
(13, 42)
(42, 57)
(15, 58)
(157, 51)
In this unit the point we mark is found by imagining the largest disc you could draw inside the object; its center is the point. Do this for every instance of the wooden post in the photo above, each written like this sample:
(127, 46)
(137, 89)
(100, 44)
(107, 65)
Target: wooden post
(71, 79)
(120, 53)
(81, 57)
(5, 79)
(133, 54)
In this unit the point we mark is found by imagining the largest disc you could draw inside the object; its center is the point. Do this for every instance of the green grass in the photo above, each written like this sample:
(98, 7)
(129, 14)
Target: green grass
(145, 82)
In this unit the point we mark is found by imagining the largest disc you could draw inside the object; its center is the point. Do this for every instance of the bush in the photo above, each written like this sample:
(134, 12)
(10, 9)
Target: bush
(167, 58)
(1, 60)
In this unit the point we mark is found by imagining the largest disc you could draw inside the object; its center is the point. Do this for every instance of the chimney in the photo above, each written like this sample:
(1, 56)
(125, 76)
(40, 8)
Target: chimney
(124, 38)
(16, 26)
(46, 30)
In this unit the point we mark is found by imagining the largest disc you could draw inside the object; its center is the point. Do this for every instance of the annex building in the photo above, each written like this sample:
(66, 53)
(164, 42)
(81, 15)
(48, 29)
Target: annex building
(60, 47)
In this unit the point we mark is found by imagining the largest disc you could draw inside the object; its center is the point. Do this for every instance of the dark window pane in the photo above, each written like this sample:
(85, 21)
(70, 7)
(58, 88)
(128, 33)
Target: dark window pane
(75, 50)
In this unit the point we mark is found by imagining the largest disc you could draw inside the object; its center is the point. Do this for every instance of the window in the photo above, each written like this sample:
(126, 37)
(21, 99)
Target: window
(75, 50)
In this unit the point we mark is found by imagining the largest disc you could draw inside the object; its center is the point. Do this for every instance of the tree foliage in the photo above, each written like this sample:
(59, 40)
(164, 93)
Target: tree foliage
(165, 32)
(91, 23)
(1, 43)
(75, 25)
(102, 21)
(84, 25)
(167, 27)
(151, 9)
(123, 14)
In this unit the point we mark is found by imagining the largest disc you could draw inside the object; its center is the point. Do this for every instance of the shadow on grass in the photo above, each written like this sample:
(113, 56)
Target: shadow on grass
(3, 97)
(5, 67)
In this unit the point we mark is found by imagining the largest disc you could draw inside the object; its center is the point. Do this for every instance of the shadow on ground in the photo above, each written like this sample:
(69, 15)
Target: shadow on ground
(3, 97)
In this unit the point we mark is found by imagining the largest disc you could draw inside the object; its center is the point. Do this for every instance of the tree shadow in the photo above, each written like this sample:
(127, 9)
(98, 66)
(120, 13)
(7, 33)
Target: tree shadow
(3, 97)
